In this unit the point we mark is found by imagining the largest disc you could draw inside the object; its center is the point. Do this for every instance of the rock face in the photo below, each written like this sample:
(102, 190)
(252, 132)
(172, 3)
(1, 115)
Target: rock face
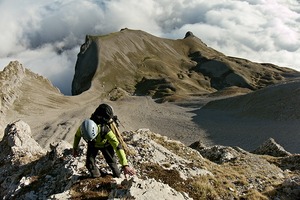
(189, 34)
(86, 66)
(165, 168)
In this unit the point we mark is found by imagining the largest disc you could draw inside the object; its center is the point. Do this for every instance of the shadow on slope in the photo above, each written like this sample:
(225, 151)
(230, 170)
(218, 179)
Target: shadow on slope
(250, 119)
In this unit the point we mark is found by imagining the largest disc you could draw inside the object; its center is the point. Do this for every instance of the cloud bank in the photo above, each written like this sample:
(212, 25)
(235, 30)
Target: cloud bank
(45, 36)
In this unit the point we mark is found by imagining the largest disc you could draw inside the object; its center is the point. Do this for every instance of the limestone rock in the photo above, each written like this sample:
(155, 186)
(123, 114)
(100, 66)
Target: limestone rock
(24, 164)
(270, 147)
(146, 189)
(157, 153)
(10, 78)
(18, 144)
(219, 154)
(52, 174)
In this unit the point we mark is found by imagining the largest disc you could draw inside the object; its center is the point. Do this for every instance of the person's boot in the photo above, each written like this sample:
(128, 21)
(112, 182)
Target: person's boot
(95, 173)
(103, 173)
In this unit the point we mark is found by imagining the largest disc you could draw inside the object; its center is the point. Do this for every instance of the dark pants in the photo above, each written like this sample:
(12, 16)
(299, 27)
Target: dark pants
(109, 155)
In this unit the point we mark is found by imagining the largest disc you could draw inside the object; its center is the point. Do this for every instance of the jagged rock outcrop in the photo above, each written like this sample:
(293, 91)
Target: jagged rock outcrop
(290, 162)
(251, 165)
(165, 168)
(27, 171)
(272, 148)
(18, 144)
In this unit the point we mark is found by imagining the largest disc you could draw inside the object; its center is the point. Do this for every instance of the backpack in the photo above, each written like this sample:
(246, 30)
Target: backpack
(104, 116)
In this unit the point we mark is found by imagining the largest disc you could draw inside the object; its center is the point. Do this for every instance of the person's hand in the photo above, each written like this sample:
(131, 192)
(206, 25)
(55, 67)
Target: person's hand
(75, 153)
(128, 170)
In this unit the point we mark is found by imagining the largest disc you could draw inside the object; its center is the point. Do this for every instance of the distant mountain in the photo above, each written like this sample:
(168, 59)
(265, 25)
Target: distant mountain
(141, 64)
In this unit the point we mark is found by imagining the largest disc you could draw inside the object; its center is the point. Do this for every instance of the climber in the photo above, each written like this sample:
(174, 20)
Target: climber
(100, 137)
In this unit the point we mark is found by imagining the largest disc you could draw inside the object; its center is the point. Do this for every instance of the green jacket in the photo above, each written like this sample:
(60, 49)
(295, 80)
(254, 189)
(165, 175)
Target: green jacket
(108, 139)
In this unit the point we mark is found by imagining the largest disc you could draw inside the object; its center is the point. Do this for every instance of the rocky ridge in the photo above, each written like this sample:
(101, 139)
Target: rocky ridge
(21, 91)
(165, 168)
(10, 80)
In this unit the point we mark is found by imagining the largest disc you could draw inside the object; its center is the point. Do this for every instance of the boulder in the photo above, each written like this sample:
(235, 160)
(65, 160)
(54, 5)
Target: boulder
(219, 154)
(199, 145)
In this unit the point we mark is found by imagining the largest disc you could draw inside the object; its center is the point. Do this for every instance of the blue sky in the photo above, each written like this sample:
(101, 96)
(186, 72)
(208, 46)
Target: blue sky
(45, 35)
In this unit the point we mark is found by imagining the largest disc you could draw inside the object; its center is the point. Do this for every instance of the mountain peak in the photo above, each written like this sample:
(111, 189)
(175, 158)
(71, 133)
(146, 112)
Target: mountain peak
(189, 34)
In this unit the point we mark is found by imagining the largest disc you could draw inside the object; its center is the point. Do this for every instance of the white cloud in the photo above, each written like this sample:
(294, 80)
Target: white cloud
(45, 36)
(262, 31)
